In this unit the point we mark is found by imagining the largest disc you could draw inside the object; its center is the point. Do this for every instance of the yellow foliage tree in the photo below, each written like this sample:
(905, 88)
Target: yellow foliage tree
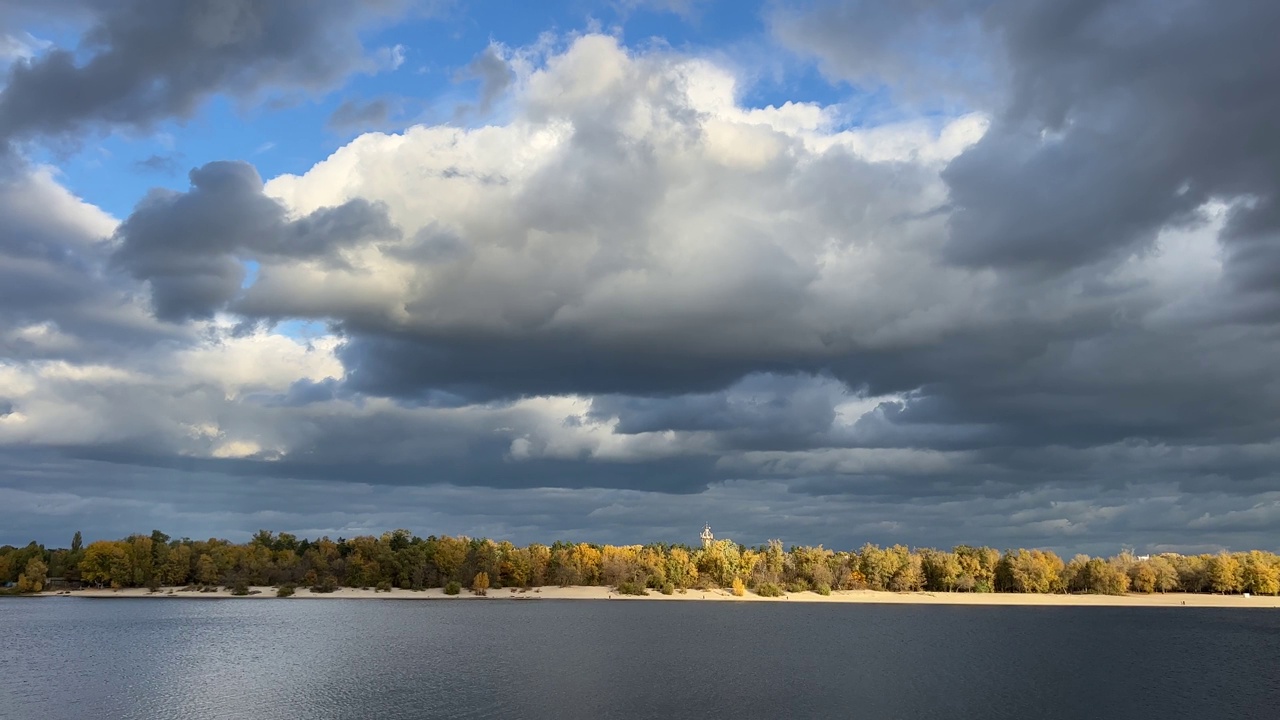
(739, 587)
(32, 578)
(1142, 578)
(105, 562)
(480, 585)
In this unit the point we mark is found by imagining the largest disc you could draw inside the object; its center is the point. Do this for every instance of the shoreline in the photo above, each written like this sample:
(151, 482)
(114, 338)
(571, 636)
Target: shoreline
(606, 593)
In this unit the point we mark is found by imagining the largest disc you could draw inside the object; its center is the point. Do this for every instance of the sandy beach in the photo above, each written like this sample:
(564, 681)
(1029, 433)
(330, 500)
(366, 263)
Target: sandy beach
(604, 593)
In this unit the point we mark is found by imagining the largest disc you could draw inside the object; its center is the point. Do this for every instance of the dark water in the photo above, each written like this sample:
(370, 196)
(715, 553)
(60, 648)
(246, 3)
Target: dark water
(269, 660)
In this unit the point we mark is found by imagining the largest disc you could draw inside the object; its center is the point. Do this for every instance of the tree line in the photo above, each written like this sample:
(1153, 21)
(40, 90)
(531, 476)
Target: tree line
(401, 559)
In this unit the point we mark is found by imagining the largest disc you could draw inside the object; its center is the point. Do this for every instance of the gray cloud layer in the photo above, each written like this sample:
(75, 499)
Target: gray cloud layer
(1053, 327)
(151, 60)
(190, 247)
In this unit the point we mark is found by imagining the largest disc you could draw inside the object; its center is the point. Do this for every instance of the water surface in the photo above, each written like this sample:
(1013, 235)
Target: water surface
(272, 660)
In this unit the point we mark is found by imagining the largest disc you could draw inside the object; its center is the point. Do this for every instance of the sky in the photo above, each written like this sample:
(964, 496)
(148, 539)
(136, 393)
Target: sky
(1000, 272)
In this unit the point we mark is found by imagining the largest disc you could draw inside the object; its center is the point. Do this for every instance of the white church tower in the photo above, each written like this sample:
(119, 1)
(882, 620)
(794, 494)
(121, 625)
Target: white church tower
(707, 537)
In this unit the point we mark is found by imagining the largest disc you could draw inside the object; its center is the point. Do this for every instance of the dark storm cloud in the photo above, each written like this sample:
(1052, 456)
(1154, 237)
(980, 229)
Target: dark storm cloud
(482, 368)
(760, 411)
(1147, 110)
(149, 60)
(190, 246)
(1118, 119)
(50, 497)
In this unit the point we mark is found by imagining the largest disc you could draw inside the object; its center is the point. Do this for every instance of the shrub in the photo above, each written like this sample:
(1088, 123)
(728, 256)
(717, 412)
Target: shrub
(822, 588)
(240, 588)
(631, 588)
(453, 588)
(285, 591)
(154, 585)
(797, 586)
(769, 590)
(384, 586)
(739, 588)
(327, 584)
(668, 589)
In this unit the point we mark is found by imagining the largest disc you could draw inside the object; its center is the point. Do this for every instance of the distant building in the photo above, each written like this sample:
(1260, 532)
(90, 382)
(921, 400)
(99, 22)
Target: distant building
(707, 537)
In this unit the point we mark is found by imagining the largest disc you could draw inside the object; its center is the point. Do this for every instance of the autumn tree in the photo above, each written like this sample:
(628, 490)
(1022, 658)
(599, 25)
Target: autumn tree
(32, 578)
(941, 569)
(1100, 576)
(206, 571)
(1030, 571)
(1166, 575)
(977, 567)
(1259, 574)
(1224, 573)
(105, 562)
(681, 570)
(450, 554)
(1142, 578)
(622, 564)
(909, 575)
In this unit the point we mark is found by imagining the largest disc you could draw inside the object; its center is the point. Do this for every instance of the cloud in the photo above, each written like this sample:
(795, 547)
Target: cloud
(153, 60)
(926, 51)
(493, 72)
(165, 164)
(22, 46)
(684, 8)
(587, 257)
(189, 247)
(353, 114)
(636, 303)
(1115, 122)
(56, 298)
(390, 58)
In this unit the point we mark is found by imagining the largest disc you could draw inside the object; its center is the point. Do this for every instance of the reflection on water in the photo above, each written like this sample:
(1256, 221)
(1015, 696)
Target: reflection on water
(268, 660)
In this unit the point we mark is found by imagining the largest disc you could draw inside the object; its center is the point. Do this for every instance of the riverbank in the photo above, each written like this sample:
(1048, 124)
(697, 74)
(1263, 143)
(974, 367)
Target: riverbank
(604, 593)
